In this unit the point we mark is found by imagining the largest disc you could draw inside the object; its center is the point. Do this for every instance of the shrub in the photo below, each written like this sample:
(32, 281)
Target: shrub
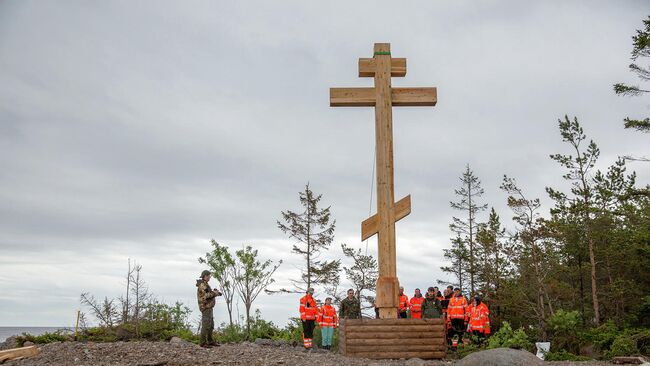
(623, 345)
(563, 355)
(564, 328)
(48, 337)
(506, 337)
(604, 336)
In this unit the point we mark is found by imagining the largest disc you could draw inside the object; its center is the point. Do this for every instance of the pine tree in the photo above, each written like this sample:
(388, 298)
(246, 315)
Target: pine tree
(641, 48)
(579, 173)
(467, 227)
(314, 233)
(533, 252)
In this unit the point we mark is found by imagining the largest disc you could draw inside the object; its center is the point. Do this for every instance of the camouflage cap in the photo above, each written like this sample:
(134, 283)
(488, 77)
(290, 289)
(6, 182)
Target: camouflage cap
(205, 273)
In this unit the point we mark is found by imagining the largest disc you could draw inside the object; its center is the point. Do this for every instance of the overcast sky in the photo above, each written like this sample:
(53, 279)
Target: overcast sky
(144, 129)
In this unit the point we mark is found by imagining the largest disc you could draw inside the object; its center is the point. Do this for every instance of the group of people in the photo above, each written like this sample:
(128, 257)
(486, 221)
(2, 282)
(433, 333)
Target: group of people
(460, 315)
(325, 316)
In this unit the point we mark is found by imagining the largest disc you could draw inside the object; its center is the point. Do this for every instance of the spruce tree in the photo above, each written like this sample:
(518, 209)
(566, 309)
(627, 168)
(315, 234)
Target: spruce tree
(313, 230)
(466, 227)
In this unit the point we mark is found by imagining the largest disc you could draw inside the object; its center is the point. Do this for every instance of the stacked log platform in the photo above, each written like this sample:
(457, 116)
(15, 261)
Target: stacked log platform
(393, 338)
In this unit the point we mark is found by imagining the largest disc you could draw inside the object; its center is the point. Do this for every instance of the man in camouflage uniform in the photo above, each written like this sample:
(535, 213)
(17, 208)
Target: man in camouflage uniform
(350, 307)
(206, 297)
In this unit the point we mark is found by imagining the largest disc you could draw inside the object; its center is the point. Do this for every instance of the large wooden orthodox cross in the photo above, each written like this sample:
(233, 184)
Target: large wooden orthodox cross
(383, 97)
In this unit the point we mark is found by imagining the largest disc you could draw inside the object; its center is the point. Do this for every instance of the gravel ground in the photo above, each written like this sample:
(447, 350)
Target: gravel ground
(177, 354)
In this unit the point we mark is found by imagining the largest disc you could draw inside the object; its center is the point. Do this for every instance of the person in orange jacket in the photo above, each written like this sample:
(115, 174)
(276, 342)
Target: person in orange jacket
(415, 304)
(308, 314)
(458, 314)
(403, 303)
(327, 321)
(479, 319)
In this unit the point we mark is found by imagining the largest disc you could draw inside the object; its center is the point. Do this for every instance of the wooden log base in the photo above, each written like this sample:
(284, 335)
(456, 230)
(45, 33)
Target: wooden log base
(398, 328)
(15, 353)
(382, 322)
(394, 335)
(396, 342)
(393, 338)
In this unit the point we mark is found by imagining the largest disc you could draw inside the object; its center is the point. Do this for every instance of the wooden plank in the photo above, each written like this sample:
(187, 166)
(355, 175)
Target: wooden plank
(414, 97)
(399, 348)
(370, 226)
(355, 322)
(395, 342)
(14, 353)
(367, 67)
(397, 355)
(398, 328)
(393, 335)
(352, 97)
(367, 97)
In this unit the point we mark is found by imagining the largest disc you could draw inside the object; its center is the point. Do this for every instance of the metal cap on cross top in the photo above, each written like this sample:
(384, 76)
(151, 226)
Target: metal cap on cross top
(382, 66)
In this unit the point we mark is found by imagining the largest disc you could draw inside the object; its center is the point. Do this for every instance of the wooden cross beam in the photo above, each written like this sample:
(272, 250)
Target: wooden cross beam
(383, 97)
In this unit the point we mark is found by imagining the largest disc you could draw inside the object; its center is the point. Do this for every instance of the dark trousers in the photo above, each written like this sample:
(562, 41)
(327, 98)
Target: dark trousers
(207, 326)
(457, 328)
(403, 315)
(308, 328)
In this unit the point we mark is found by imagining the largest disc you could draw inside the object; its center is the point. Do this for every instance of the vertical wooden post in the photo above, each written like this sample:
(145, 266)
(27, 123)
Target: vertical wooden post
(387, 298)
(76, 326)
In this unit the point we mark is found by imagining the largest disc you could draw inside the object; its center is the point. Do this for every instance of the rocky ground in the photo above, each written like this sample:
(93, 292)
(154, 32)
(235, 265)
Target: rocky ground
(179, 353)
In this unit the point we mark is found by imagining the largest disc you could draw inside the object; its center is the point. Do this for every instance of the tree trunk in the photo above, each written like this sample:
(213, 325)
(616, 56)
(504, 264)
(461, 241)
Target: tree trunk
(594, 290)
(471, 240)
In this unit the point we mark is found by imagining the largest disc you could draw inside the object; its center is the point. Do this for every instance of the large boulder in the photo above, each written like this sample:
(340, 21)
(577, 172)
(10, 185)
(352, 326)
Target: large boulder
(501, 357)
(11, 342)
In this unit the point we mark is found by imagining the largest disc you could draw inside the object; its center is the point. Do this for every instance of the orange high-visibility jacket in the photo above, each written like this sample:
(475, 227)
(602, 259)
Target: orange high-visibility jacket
(327, 316)
(403, 303)
(416, 307)
(458, 308)
(308, 308)
(479, 318)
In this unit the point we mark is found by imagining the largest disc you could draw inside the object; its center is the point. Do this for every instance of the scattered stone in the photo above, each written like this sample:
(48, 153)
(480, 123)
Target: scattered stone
(264, 342)
(501, 357)
(177, 340)
(628, 360)
(415, 362)
(28, 343)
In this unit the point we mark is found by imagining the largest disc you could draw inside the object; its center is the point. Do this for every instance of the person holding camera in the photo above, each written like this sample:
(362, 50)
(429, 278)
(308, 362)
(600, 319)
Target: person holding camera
(206, 297)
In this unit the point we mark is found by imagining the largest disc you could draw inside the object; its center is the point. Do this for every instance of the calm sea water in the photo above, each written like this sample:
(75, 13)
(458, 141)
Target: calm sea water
(6, 332)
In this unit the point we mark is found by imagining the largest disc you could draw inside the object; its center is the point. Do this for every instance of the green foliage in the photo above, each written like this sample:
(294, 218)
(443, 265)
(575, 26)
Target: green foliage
(604, 336)
(313, 230)
(564, 327)
(466, 349)
(623, 345)
(251, 278)
(506, 337)
(563, 355)
(48, 337)
(641, 48)
(222, 265)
